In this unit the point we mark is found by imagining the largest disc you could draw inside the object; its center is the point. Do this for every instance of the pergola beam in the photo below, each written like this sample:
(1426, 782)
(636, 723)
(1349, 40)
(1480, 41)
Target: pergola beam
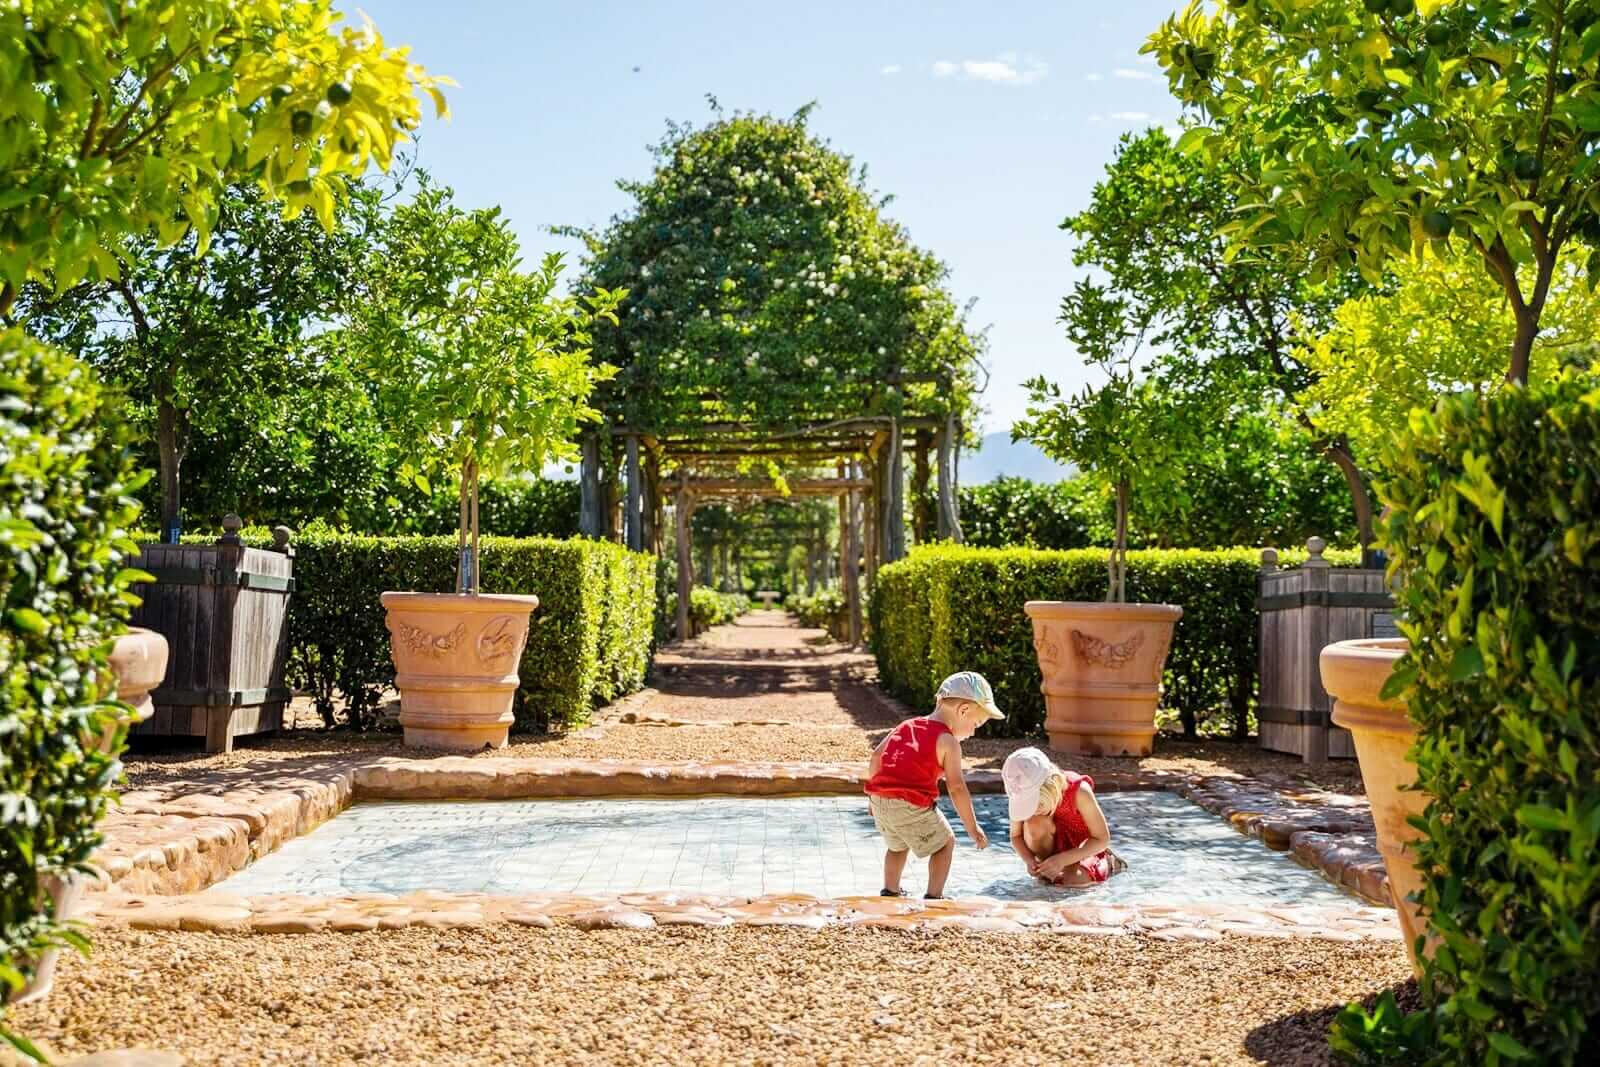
(764, 487)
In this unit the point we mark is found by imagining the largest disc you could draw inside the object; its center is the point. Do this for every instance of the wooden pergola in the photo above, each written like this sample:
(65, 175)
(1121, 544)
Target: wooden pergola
(858, 461)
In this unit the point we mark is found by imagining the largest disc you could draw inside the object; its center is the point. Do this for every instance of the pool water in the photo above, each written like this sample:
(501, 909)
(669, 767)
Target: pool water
(821, 846)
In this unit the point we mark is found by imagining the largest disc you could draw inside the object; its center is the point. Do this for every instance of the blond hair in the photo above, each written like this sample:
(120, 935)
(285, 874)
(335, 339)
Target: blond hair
(1051, 792)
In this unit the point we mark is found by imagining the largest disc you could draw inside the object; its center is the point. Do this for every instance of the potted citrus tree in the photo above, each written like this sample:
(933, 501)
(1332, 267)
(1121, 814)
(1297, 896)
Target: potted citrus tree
(482, 371)
(1101, 662)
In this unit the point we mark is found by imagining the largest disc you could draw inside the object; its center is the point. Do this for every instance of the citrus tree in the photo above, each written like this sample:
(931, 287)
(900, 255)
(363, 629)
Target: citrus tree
(1126, 432)
(1218, 318)
(122, 116)
(765, 285)
(202, 338)
(1385, 127)
(1442, 329)
(481, 369)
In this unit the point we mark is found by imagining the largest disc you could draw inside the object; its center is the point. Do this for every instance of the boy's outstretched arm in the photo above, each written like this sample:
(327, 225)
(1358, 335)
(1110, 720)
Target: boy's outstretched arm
(960, 796)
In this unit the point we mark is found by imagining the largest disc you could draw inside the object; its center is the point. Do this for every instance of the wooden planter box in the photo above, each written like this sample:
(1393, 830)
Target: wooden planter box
(1303, 610)
(223, 609)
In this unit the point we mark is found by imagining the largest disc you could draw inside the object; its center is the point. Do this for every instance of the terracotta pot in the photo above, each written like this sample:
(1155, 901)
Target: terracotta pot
(1102, 668)
(1353, 673)
(139, 660)
(455, 661)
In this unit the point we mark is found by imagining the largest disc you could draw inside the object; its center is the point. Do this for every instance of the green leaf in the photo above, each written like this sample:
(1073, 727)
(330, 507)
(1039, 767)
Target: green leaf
(1398, 682)
(1542, 817)
(1508, 1046)
(1466, 663)
(28, 621)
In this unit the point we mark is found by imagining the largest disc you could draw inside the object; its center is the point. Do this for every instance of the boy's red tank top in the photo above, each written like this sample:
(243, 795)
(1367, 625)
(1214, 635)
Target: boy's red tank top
(909, 767)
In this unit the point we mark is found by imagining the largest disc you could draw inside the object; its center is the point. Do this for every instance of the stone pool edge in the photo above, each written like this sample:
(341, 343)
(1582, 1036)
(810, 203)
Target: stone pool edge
(187, 835)
(220, 912)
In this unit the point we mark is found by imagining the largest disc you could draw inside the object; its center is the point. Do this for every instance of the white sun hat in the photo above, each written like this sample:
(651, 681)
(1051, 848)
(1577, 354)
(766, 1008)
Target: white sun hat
(1023, 773)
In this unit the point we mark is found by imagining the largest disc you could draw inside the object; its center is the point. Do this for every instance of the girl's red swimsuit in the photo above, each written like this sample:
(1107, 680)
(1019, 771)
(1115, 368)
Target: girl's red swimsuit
(1072, 831)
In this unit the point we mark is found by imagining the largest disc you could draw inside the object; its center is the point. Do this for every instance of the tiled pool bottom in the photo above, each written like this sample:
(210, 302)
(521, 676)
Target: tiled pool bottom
(820, 846)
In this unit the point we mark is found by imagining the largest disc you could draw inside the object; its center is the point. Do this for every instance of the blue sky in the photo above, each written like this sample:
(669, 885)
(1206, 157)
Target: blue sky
(988, 123)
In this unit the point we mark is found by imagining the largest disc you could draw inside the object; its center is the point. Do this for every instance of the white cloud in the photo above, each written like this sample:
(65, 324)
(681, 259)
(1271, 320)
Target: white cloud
(1131, 116)
(1007, 69)
(1093, 77)
(1133, 75)
(1097, 117)
(890, 69)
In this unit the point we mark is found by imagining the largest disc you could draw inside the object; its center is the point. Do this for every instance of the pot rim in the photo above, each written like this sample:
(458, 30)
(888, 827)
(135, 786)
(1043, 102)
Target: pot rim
(1079, 609)
(461, 602)
(1354, 672)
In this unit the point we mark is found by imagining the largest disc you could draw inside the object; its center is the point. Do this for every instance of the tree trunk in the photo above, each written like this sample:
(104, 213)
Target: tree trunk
(1119, 553)
(171, 435)
(1522, 346)
(1339, 452)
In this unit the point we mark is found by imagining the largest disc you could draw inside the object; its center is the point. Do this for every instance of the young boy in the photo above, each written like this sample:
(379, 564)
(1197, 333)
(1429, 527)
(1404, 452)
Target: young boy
(903, 782)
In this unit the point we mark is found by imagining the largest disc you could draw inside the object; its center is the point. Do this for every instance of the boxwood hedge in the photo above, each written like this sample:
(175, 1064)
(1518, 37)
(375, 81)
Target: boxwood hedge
(1494, 527)
(67, 481)
(590, 640)
(947, 608)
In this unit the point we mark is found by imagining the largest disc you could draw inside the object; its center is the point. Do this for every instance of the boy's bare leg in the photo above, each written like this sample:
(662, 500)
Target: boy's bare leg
(939, 868)
(894, 865)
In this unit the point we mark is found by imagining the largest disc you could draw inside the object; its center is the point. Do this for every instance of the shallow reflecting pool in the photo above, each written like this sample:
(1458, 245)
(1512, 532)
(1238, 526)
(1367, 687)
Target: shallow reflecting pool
(822, 846)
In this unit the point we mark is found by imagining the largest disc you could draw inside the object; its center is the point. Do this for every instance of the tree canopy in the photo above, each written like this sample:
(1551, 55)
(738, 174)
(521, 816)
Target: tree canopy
(1441, 330)
(766, 288)
(1380, 128)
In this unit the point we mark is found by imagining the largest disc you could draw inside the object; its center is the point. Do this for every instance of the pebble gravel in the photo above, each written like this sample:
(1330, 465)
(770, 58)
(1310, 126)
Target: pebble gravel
(516, 995)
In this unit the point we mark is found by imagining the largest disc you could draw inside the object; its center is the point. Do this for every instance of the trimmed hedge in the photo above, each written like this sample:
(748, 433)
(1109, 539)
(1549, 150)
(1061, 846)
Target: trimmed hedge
(1495, 530)
(948, 608)
(589, 643)
(67, 480)
(708, 607)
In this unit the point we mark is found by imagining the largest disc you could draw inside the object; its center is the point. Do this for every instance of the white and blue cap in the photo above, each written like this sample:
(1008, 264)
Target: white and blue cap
(969, 685)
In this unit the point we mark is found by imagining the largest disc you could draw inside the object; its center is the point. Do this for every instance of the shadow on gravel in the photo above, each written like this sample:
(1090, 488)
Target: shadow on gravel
(1301, 1039)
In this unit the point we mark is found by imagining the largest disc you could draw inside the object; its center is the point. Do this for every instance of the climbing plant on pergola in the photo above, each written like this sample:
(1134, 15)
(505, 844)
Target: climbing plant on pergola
(780, 337)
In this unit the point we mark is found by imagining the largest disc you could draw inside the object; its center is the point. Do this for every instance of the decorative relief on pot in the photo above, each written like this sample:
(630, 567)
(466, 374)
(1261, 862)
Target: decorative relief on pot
(498, 640)
(1091, 649)
(426, 643)
(1048, 651)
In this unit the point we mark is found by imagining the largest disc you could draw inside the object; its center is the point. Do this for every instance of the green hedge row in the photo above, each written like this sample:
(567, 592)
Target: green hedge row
(948, 608)
(589, 642)
(1494, 527)
(708, 607)
(67, 480)
(822, 610)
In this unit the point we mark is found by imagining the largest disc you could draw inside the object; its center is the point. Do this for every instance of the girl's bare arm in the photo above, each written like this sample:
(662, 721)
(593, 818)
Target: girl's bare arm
(1099, 836)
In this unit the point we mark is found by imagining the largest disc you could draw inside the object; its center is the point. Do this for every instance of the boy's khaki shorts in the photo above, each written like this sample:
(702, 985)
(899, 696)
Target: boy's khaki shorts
(904, 825)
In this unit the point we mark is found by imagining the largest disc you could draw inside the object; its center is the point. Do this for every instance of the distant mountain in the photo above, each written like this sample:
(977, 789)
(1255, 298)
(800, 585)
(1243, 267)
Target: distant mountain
(998, 456)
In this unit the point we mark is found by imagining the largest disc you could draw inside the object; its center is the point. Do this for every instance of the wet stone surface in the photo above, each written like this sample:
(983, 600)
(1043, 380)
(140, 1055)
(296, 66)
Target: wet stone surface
(818, 846)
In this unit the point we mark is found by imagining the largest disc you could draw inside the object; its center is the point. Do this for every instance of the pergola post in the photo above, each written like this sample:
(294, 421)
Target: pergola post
(850, 561)
(681, 509)
(650, 506)
(632, 515)
(894, 499)
(922, 503)
(590, 523)
(949, 521)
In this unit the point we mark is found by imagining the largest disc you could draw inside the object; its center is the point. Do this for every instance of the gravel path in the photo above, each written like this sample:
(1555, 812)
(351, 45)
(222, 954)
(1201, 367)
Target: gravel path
(511, 995)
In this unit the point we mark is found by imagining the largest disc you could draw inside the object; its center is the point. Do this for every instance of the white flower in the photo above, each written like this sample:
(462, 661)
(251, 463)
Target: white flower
(882, 351)
(705, 313)
(844, 261)
(811, 361)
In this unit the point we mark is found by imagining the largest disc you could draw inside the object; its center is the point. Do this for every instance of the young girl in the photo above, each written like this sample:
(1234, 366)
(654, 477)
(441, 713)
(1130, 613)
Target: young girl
(1056, 823)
